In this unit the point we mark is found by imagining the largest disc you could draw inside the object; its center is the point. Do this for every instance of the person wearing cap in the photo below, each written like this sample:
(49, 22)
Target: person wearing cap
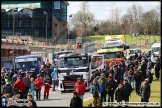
(102, 82)
(80, 87)
(157, 68)
(149, 77)
(38, 85)
(138, 80)
(19, 84)
(145, 91)
(116, 74)
(96, 90)
(110, 87)
(127, 90)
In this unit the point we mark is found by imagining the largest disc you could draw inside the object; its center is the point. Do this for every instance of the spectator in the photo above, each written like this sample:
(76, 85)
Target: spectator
(127, 90)
(19, 84)
(150, 64)
(143, 69)
(31, 99)
(145, 91)
(116, 74)
(96, 91)
(3, 70)
(157, 68)
(119, 93)
(3, 78)
(136, 55)
(110, 87)
(42, 72)
(102, 81)
(54, 78)
(138, 80)
(7, 88)
(121, 73)
(38, 83)
(27, 83)
(14, 77)
(32, 88)
(76, 101)
(18, 92)
(11, 73)
(47, 87)
(80, 87)
(149, 77)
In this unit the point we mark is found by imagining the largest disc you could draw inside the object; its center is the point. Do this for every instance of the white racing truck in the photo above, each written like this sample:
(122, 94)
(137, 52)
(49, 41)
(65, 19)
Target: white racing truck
(75, 65)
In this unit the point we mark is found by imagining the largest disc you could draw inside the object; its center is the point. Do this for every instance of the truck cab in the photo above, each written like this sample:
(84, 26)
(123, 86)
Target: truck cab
(31, 63)
(75, 65)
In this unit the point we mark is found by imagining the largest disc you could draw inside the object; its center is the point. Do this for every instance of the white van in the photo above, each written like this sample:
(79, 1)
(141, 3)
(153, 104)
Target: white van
(156, 48)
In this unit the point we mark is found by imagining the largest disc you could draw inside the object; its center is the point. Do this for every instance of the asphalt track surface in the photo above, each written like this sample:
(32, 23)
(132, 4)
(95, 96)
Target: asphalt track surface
(56, 98)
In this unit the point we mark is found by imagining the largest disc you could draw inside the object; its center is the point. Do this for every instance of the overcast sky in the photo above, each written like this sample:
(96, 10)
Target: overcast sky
(101, 9)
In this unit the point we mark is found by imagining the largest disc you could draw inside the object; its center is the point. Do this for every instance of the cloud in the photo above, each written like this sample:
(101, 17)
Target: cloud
(101, 9)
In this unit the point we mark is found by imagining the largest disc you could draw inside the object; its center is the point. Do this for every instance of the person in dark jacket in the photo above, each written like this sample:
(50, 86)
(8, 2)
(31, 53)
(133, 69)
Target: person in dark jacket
(7, 88)
(14, 77)
(96, 91)
(157, 68)
(102, 81)
(127, 90)
(136, 55)
(145, 91)
(42, 72)
(119, 93)
(76, 101)
(27, 83)
(149, 77)
(3, 78)
(150, 64)
(16, 91)
(110, 87)
(30, 98)
(138, 80)
(143, 69)
(116, 74)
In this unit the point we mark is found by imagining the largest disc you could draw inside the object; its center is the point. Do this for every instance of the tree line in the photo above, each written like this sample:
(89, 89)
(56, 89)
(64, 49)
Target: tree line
(135, 21)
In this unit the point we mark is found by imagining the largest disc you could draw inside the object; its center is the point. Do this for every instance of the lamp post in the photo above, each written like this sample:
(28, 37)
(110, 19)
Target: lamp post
(69, 27)
(45, 13)
(88, 23)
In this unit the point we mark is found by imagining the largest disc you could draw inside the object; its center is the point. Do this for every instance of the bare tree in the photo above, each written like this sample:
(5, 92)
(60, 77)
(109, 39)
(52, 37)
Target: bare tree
(136, 11)
(83, 19)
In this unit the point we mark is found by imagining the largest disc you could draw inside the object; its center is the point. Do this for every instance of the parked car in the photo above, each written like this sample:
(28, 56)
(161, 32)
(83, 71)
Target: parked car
(132, 52)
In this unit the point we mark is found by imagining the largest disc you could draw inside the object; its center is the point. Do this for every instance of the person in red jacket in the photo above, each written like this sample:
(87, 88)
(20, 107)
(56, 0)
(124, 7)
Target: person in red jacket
(47, 87)
(38, 84)
(80, 88)
(19, 84)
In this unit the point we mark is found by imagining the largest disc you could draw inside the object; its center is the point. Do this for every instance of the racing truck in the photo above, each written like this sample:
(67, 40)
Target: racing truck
(113, 50)
(74, 65)
(30, 63)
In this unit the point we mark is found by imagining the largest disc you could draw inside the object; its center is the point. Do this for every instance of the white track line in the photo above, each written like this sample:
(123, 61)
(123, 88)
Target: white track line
(87, 99)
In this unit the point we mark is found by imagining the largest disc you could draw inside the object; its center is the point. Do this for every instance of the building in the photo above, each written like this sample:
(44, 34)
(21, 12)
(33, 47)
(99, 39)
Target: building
(29, 18)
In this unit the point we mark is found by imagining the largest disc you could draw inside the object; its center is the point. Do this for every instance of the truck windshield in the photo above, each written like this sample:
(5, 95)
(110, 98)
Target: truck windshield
(121, 46)
(112, 55)
(156, 49)
(26, 64)
(56, 55)
(72, 62)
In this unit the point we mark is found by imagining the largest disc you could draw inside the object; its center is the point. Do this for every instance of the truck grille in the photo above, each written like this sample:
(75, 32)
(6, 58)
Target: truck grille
(69, 83)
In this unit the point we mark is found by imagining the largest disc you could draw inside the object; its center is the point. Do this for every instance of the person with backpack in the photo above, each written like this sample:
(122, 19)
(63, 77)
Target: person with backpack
(149, 77)
(47, 87)
(138, 80)
(96, 91)
(102, 81)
